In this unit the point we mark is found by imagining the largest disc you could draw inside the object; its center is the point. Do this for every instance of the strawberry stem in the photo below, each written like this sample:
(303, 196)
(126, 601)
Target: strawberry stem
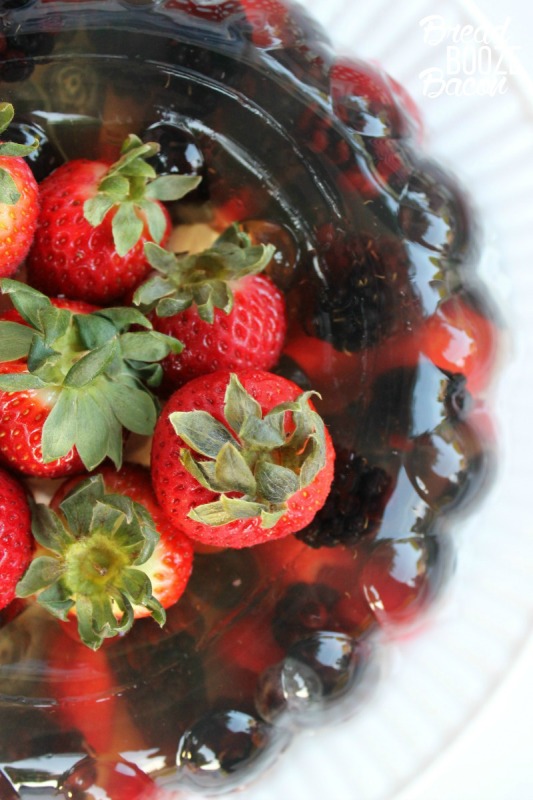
(90, 561)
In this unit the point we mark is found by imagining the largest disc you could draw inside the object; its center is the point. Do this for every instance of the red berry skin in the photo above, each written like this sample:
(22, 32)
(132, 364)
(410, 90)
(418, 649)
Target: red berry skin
(69, 256)
(370, 101)
(170, 566)
(177, 491)
(22, 417)
(18, 221)
(15, 536)
(458, 338)
(251, 335)
(23, 414)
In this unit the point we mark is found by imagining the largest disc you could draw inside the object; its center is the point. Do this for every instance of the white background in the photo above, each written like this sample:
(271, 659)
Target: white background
(493, 758)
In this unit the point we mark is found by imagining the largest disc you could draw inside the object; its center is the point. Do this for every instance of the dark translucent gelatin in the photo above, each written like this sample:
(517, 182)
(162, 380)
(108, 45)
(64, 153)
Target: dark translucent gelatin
(388, 321)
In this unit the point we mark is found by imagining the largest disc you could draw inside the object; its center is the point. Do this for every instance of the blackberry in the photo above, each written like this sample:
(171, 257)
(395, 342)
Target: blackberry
(355, 505)
(364, 293)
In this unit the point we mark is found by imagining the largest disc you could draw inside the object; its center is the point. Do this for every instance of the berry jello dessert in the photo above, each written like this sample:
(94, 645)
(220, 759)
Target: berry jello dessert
(244, 362)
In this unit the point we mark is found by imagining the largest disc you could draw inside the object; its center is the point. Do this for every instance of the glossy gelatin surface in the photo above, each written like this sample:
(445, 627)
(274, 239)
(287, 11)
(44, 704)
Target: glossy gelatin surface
(376, 254)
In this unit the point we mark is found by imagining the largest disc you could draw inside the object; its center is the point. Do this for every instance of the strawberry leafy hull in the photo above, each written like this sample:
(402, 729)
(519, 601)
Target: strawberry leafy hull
(380, 241)
(239, 460)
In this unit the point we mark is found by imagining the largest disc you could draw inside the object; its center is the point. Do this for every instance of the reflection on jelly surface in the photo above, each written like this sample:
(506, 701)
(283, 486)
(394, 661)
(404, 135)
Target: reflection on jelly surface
(376, 252)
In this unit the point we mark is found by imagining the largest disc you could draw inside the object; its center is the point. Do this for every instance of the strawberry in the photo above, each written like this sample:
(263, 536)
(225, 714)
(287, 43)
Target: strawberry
(241, 459)
(108, 554)
(370, 101)
(226, 314)
(72, 383)
(15, 536)
(458, 337)
(271, 23)
(19, 199)
(95, 218)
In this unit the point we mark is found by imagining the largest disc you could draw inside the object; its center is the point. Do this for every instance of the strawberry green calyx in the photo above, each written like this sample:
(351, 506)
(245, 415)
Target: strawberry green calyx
(255, 463)
(203, 279)
(94, 549)
(95, 373)
(9, 194)
(131, 185)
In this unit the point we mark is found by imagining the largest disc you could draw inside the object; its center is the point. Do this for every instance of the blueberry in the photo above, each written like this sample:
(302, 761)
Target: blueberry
(450, 467)
(226, 748)
(46, 157)
(435, 397)
(433, 212)
(318, 682)
(179, 151)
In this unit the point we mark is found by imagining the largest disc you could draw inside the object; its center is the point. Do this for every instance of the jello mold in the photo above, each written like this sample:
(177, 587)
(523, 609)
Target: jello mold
(377, 252)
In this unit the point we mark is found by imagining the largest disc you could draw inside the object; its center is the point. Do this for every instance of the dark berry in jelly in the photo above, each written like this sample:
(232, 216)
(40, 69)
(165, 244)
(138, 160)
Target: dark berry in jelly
(46, 157)
(449, 466)
(316, 683)
(303, 608)
(433, 212)
(179, 151)
(226, 748)
(355, 504)
(364, 293)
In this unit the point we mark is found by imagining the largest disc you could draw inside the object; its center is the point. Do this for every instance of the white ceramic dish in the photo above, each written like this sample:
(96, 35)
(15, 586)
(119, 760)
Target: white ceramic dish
(436, 682)
(439, 681)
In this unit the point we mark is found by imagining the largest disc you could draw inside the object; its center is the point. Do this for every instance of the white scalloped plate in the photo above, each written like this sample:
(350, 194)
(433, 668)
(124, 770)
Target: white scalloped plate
(438, 681)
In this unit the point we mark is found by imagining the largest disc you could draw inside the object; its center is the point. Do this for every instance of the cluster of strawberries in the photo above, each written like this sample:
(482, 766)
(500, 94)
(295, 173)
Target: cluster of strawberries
(105, 317)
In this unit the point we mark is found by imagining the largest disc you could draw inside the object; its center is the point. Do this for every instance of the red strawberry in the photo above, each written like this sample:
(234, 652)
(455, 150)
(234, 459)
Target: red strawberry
(369, 101)
(265, 461)
(15, 536)
(112, 777)
(94, 221)
(108, 554)
(19, 200)
(72, 382)
(226, 314)
(458, 338)
(271, 23)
